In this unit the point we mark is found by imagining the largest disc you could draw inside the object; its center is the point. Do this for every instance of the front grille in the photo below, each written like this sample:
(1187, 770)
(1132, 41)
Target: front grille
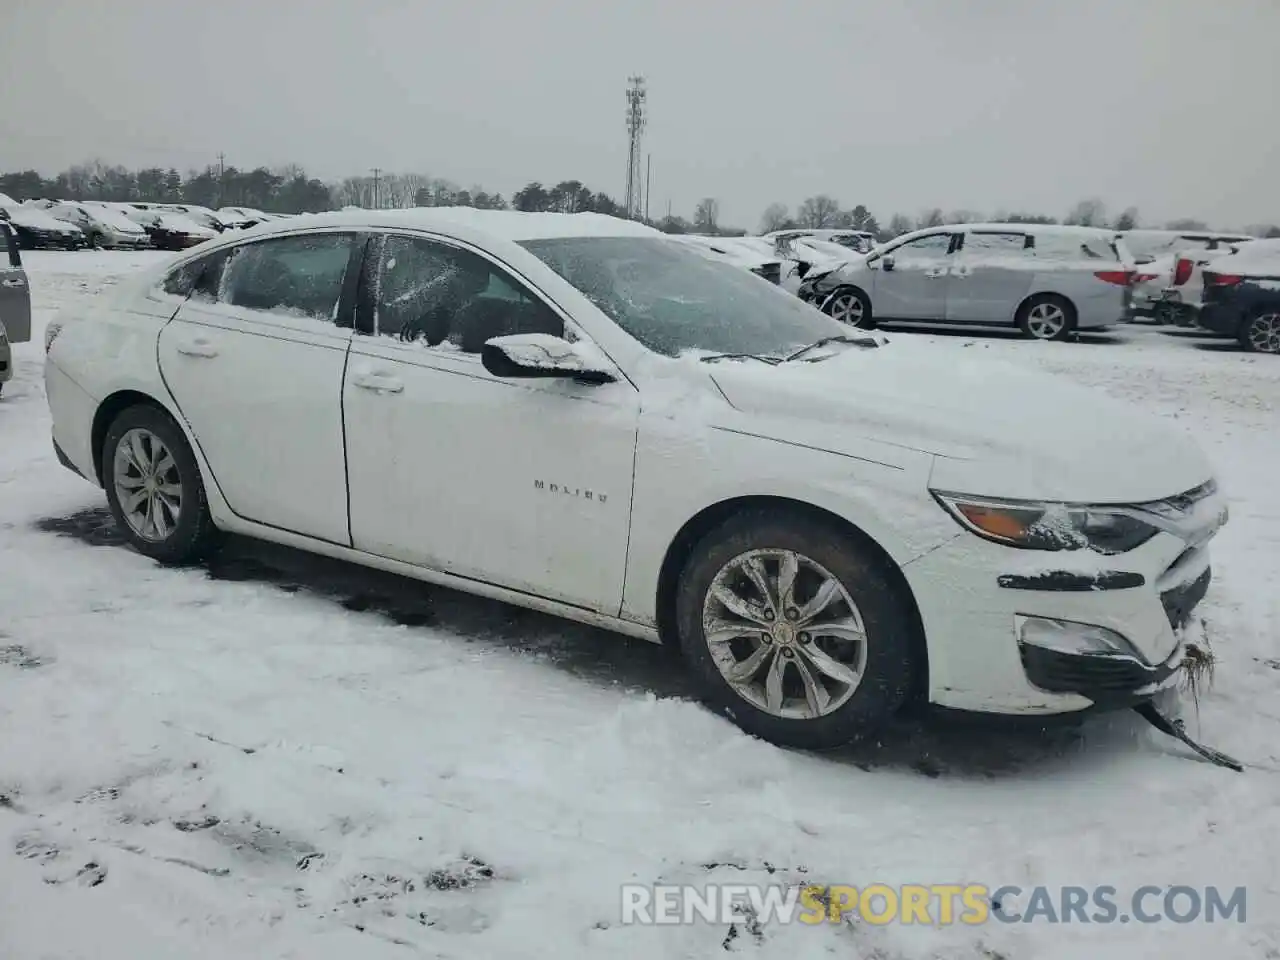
(1179, 602)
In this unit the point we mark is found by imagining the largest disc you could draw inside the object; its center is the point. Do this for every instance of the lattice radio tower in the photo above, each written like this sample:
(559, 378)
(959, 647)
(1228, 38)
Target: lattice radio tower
(636, 97)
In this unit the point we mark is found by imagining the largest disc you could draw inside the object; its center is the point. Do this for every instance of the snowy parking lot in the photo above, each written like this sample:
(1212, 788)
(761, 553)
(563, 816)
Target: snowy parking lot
(273, 755)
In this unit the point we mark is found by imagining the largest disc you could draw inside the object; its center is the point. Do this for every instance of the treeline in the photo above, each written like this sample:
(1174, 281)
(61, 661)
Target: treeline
(289, 189)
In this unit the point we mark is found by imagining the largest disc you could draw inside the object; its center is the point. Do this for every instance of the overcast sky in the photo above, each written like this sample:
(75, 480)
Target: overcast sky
(903, 105)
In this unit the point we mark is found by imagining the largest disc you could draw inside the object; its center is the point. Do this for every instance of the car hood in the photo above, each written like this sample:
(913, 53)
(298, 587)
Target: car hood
(994, 428)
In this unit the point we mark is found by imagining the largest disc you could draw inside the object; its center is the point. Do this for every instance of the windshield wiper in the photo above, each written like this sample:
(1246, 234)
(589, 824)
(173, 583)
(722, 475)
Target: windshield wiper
(772, 361)
(838, 338)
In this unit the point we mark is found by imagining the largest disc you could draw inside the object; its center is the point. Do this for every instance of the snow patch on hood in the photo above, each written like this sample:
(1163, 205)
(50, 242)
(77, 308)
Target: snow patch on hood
(997, 429)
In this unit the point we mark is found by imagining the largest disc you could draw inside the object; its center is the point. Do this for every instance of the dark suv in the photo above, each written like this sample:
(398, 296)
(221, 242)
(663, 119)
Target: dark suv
(1242, 300)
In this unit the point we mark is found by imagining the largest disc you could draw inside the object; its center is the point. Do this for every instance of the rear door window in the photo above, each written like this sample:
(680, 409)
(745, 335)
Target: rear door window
(299, 276)
(979, 245)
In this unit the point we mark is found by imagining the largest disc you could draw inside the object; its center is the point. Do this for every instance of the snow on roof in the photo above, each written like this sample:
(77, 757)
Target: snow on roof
(505, 224)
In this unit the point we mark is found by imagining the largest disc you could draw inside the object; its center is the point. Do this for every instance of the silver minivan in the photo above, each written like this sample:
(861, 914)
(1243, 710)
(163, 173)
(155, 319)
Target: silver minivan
(1047, 280)
(15, 301)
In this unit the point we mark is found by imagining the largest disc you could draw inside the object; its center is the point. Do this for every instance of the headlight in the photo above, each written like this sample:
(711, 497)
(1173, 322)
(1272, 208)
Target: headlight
(1048, 526)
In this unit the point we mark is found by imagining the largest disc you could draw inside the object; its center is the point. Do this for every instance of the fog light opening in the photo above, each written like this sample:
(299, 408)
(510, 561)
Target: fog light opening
(1074, 639)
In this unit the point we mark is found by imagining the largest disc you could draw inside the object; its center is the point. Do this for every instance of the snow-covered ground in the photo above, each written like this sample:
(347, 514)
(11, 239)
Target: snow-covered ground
(275, 756)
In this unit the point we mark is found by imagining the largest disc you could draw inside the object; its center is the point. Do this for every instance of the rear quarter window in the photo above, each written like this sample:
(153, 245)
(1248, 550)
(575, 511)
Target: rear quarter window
(1075, 248)
(199, 278)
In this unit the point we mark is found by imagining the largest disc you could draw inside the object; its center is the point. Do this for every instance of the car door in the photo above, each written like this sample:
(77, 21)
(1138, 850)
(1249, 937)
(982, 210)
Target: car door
(15, 291)
(521, 483)
(910, 281)
(991, 276)
(254, 359)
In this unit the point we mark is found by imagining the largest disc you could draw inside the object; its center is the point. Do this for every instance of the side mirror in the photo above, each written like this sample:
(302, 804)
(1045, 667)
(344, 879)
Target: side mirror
(887, 261)
(525, 355)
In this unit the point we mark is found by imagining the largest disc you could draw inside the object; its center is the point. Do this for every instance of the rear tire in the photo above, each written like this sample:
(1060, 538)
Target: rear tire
(154, 487)
(1261, 332)
(850, 306)
(843, 639)
(1047, 316)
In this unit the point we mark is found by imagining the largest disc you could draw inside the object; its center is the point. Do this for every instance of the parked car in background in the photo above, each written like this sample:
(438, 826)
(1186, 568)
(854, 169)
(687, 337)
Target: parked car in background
(1242, 297)
(176, 231)
(1156, 252)
(15, 301)
(201, 215)
(38, 229)
(101, 226)
(1186, 295)
(576, 414)
(759, 259)
(241, 218)
(1048, 281)
(860, 241)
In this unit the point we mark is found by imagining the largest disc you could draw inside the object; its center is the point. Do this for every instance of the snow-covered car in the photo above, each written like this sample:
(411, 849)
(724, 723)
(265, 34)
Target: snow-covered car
(241, 218)
(1242, 296)
(1183, 300)
(15, 301)
(577, 414)
(1156, 253)
(37, 228)
(166, 229)
(1048, 281)
(201, 215)
(758, 258)
(859, 241)
(101, 226)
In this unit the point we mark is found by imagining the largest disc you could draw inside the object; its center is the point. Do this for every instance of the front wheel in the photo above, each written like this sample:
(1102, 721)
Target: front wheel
(154, 487)
(1047, 317)
(1261, 332)
(795, 630)
(850, 306)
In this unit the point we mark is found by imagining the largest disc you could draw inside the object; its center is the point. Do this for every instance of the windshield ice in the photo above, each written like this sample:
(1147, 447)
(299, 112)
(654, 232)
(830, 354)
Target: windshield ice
(674, 300)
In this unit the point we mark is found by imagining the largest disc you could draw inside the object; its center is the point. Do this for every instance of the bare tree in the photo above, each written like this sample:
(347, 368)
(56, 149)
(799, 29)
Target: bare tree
(1186, 224)
(776, 217)
(931, 218)
(1127, 220)
(898, 225)
(1088, 213)
(819, 212)
(964, 216)
(707, 215)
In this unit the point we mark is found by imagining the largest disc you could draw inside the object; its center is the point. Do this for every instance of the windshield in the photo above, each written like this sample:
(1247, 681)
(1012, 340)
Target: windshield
(673, 299)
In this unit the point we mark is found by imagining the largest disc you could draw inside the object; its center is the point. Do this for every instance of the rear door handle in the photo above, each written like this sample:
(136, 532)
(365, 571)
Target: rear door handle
(198, 348)
(15, 283)
(378, 382)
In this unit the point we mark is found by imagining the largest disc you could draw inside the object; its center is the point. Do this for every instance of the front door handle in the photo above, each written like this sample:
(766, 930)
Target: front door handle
(198, 348)
(15, 283)
(378, 382)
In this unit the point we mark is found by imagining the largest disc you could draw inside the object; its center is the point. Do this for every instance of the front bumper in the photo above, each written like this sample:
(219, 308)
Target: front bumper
(975, 598)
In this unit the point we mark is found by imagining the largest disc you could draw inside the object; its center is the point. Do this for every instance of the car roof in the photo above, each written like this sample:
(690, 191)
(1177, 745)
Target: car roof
(466, 222)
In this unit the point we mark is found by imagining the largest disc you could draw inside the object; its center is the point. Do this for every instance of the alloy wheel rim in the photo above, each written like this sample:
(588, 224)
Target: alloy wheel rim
(785, 634)
(847, 309)
(1264, 333)
(1046, 320)
(148, 485)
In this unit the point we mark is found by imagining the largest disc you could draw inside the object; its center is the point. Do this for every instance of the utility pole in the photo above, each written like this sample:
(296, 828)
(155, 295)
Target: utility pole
(376, 172)
(636, 97)
(222, 173)
(648, 173)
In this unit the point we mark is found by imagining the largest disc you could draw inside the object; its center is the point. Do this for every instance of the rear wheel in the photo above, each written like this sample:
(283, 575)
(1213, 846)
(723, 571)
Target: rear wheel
(1261, 332)
(795, 630)
(1047, 317)
(850, 306)
(154, 487)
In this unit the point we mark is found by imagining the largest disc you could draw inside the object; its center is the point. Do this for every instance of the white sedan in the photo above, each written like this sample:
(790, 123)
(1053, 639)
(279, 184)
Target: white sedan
(576, 414)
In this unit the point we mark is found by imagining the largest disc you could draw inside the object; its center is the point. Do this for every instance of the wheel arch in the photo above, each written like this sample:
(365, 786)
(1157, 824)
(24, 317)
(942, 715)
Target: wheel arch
(710, 517)
(854, 288)
(112, 407)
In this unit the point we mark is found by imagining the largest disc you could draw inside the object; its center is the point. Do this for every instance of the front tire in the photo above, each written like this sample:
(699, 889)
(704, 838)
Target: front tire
(154, 487)
(795, 630)
(1261, 332)
(1047, 317)
(850, 306)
